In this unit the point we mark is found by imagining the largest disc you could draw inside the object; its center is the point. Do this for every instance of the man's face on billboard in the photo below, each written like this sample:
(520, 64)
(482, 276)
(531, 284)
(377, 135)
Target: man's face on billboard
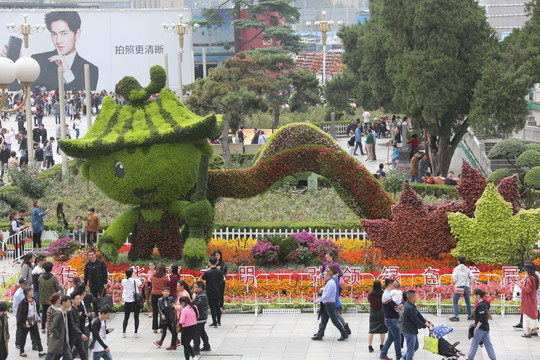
(63, 38)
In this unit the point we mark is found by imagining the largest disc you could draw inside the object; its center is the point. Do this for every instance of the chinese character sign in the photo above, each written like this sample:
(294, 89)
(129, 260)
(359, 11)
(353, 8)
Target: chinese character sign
(352, 276)
(431, 276)
(139, 271)
(510, 274)
(390, 272)
(247, 274)
(475, 272)
(66, 275)
(313, 273)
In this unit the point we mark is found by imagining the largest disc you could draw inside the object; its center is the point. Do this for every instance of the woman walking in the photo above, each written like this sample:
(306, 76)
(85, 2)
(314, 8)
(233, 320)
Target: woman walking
(376, 315)
(159, 281)
(182, 290)
(27, 267)
(173, 282)
(529, 302)
(61, 223)
(27, 320)
(130, 286)
(370, 145)
(330, 260)
(350, 143)
(221, 265)
(148, 287)
(54, 304)
(37, 223)
(188, 321)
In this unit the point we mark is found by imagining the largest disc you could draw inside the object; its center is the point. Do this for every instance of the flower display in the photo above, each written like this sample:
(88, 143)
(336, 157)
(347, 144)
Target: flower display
(265, 252)
(62, 249)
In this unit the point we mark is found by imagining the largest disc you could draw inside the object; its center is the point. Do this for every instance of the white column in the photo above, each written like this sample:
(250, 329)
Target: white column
(324, 66)
(88, 88)
(166, 66)
(204, 62)
(181, 92)
(62, 96)
(29, 124)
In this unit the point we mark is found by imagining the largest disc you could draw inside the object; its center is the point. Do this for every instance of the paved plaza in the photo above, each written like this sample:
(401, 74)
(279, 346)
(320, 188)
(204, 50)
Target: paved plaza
(287, 337)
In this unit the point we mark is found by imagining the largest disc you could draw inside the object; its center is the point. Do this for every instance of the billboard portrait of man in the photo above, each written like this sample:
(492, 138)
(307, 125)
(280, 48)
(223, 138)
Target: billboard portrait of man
(65, 29)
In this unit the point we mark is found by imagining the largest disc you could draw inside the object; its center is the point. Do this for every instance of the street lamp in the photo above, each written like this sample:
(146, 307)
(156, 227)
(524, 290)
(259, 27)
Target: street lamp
(180, 29)
(324, 27)
(27, 71)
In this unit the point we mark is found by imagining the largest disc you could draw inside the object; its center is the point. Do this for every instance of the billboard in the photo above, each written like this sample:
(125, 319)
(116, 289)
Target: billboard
(114, 42)
(218, 41)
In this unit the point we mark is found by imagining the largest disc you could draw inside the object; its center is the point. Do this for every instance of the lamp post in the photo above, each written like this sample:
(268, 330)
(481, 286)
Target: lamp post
(180, 29)
(324, 27)
(27, 71)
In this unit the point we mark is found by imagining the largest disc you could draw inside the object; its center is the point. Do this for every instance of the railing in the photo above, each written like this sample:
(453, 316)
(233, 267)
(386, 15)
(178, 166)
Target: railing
(232, 233)
(17, 245)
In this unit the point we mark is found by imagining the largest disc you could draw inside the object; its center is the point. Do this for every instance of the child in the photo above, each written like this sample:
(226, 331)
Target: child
(78, 229)
(397, 295)
(395, 157)
(167, 320)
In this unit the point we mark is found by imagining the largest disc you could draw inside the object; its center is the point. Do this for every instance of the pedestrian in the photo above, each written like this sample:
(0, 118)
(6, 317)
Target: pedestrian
(391, 320)
(340, 284)
(174, 277)
(54, 304)
(328, 308)
(358, 139)
(481, 327)
(27, 320)
(166, 319)
(422, 166)
(330, 260)
(221, 265)
(5, 154)
(92, 227)
(27, 266)
(376, 315)
(130, 286)
(75, 282)
(414, 171)
(148, 286)
(62, 226)
(214, 279)
(49, 153)
(48, 285)
(415, 144)
(412, 321)
(56, 112)
(59, 341)
(95, 274)
(450, 179)
(182, 289)
(529, 301)
(262, 138)
(39, 156)
(350, 142)
(200, 300)
(370, 145)
(17, 298)
(240, 135)
(367, 119)
(37, 223)
(77, 337)
(85, 317)
(159, 281)
(99, 345)
(77, 126)
(463, 278)
(519, 326)
(78, 230)
(188, 322)
(4, 331)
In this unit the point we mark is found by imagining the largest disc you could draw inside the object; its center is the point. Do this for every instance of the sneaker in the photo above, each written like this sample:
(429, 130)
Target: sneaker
(343, 337)
(518, 326)
(318, 338)
(380, 347)
(158, 343)
(454, 318)
(206, 348)
(171, 348)
(470, 317)
(347, 329)
(123, 335)
(385, 358)
(178, 342)
(136, 335)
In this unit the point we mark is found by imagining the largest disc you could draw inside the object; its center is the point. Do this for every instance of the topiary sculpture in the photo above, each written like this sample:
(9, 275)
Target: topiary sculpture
(152, 155)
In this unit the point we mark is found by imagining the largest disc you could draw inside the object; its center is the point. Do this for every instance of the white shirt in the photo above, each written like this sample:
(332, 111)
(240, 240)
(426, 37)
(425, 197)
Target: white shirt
(128, 286)
(103, 336)
(462, 275)
(367, 117)
(262, 139)
(68, 75)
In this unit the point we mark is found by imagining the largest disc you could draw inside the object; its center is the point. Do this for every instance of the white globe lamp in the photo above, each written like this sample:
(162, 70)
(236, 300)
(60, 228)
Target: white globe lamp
(8, 72)
(27, 70)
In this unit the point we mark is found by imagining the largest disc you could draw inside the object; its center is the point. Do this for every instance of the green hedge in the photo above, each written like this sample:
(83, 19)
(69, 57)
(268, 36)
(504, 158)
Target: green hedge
(9, 190)
(435, 190)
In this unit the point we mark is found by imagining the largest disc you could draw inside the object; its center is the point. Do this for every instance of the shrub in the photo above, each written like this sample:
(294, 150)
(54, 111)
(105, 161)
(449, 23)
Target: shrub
(63, 248)
(532, 178)
(265, 253)
(9, 202)
(532, 146)
(321, 247)
(496, 176)
(528, 159)
(302, 255)
(393, 182)
(26, 180)
(506, 149)
(217, 162)
(437, 191)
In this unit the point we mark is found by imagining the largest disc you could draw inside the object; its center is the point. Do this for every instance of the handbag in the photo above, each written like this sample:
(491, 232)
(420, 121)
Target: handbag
(105, 301)
(459, 290)
(137, 296)
(431, 344)
(178, 328)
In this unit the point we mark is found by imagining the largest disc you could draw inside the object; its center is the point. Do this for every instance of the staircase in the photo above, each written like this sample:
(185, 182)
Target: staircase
(497, 164)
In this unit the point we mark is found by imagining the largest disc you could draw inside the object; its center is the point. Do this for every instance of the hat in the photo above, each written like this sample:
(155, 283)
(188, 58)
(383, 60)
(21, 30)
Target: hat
(23, 281)
(529, 268)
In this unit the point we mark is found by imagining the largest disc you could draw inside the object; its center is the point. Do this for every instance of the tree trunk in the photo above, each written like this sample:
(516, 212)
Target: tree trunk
(277, 110)
(225, 140)
(440, 155)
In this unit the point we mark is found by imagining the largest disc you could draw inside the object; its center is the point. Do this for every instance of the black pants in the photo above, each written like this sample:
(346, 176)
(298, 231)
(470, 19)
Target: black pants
(91, 238)
(155, 315)
(49, 161)
(129, 308)
(187, 335)
(3, 350)
(359, 145)
(200, 333)
(221, 294)
(37, 239)
(213, 302)
(86, 343)
(76, 341)
(18, 337)
(33, 330)
(44, 309)
(172, 329)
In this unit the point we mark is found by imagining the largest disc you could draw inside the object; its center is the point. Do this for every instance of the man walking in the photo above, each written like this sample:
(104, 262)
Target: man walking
(415, 172)
(412, 321)
(76, 335)
(201, 302)
(328, 307)
(214, 278)
(481, 327)
(463, 277)
(358, 139)
(59, 341)
(367, 119)
(391, 320)
(95, 274)
(17, 298)
(99, 345)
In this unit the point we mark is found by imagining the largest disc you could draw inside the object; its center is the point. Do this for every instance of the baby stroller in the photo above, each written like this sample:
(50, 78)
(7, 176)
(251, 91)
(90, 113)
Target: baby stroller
(445, 349)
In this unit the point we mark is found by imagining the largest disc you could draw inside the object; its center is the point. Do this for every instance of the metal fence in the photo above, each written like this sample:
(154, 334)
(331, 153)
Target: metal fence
(232, 233)
(16, 246)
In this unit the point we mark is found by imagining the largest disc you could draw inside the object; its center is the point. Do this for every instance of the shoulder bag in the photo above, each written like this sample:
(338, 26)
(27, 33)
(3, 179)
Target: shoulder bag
(137, 296)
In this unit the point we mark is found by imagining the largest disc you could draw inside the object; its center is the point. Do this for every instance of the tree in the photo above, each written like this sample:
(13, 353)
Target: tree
(435, 61)
(271, 19)
(233, 90)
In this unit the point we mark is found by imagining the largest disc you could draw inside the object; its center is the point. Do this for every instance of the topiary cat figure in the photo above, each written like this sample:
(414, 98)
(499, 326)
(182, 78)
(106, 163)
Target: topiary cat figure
(152, 155)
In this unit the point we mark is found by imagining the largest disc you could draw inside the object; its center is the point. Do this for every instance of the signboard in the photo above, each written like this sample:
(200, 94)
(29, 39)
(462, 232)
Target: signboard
(115, 42)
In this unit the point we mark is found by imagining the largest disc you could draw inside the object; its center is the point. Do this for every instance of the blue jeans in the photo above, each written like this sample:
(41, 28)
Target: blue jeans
(467, 296)
(417, 179)
(66, 354)
(394, 336)
(330, 312)
(412, 345)
(479, 336)
(57, 118)
(102, 355)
